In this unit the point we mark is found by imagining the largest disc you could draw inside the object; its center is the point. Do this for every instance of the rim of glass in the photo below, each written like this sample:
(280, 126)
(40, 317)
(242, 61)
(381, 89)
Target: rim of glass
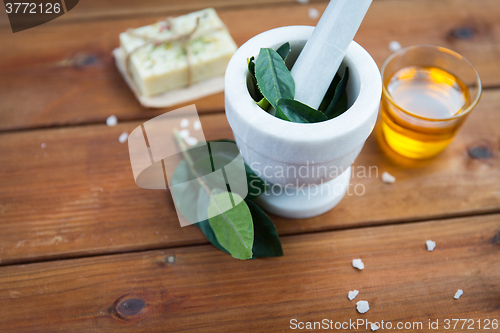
(438, 49)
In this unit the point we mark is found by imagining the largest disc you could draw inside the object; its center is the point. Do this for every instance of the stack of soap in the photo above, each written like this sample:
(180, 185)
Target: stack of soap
(160, 67)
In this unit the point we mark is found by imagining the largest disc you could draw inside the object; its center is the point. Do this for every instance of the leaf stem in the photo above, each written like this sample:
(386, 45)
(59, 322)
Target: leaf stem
(190, 162)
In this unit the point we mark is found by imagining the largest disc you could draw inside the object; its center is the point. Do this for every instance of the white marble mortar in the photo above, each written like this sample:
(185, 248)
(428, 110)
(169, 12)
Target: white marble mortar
(324, 149)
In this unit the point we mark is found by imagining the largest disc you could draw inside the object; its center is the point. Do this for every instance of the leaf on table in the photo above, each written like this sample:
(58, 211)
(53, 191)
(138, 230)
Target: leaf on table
(202, 210)
(266, 240)
(284, 50)
(273, 77)
(222, 156)
(333, 111)
(233, 228)
(186, 194)
(298, 112)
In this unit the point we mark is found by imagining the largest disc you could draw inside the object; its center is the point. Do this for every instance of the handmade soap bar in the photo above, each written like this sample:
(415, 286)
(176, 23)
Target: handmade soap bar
(177, 52)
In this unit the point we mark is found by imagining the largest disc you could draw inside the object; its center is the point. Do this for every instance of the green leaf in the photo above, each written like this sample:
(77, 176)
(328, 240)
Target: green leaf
(221, 157)
(279, 114)
(204, 225)
(329, 94)
(273, 77)
(256, 186)
(266, 240)
(186, 194)
(298, 112)
(263, 103)
(284, 50)
(341, 107)
(233, 228)
(251, 66)
(331, 111)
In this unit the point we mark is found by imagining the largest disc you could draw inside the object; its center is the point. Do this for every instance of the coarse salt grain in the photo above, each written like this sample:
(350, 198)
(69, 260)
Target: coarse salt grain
(184, 123)
(362, 306)
(430, 245)
(184, 133)
(352, 294)
(43, 145)
(197, 125)
(303, 2)
(394, 46)
(388, 178)
(459, 293)
(191, 141)
(123, 137)
(111, 121)
(357, 263)
(374, 327)
(313, 13)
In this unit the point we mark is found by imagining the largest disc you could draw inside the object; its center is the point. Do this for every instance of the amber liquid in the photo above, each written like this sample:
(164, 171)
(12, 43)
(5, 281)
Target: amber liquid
(430, 97)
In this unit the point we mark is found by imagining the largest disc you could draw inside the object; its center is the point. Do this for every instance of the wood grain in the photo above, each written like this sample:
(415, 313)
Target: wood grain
(77, 196)
(62, 72)
(111, 9)
(200, 289)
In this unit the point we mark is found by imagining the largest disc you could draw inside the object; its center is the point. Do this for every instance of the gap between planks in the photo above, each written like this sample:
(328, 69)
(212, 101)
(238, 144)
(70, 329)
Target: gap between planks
(381, 224)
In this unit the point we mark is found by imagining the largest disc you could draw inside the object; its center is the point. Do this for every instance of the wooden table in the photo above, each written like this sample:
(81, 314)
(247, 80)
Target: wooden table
(83, 249)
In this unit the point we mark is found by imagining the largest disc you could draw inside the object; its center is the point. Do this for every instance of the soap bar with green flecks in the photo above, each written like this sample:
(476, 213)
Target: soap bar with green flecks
(160, 67)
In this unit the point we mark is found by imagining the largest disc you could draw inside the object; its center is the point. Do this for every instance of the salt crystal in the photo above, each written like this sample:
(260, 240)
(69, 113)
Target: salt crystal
(313, 13)
(303, 2)
(394, 46)
(357, 263)
(352, 294)
(430, 245)
(111, 121)
(362, 306)
(191, 141)
(43, 145)
(123, 137)
(374, 327)
(184, 133)
(459, 293)
(388, 178)
(184, 123)
(197, 125)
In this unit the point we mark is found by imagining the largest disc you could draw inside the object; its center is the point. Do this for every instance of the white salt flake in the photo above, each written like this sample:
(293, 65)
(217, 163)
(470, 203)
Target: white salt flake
(184, 123)
(394, 46)
(184, 133)
(357, 263)
(430, 245)
(43, 145)
(197, 125)
(191, 141)
(352, 294)
(111, 121)
(123, 137)
(459, 293)
(388, 178)
(374, 327)
(362, 306)
(303, 2)
(313, 13)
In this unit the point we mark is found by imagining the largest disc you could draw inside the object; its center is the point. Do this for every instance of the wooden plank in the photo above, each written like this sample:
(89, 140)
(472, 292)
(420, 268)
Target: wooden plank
(52, 204)
(62, 73)
(199, 289)
(112, 9)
